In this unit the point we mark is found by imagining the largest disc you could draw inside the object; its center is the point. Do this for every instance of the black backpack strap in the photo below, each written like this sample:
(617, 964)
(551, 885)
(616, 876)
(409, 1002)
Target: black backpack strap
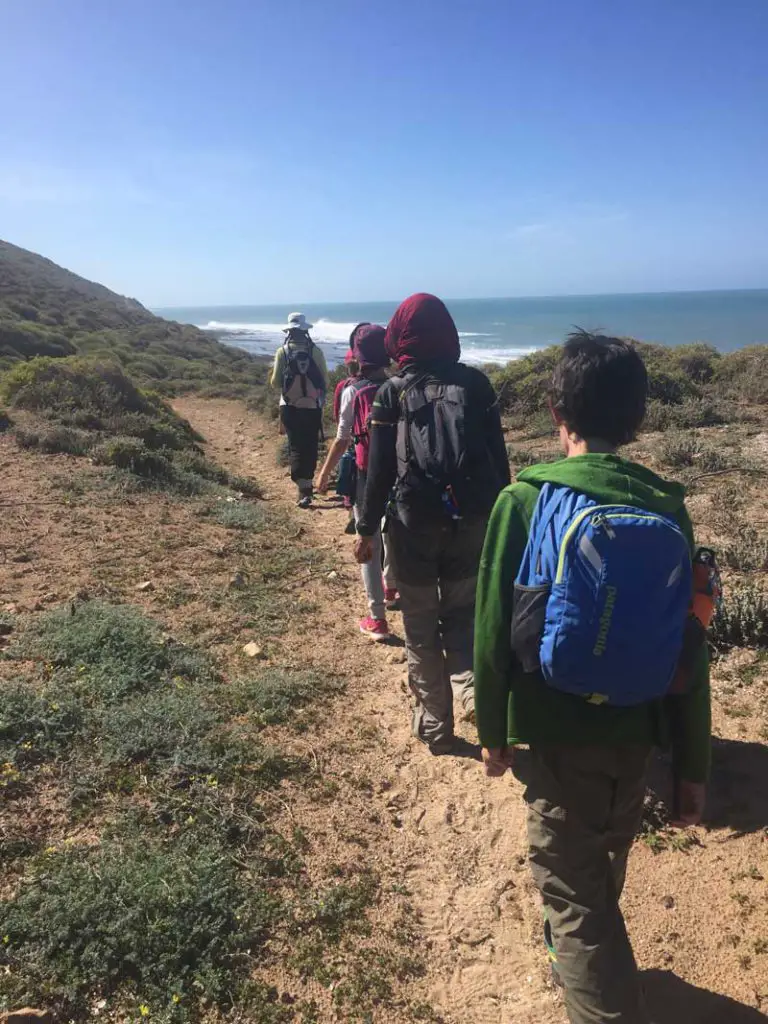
(409, 382)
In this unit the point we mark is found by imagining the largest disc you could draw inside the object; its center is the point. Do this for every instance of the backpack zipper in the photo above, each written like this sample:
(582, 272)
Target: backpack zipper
(601, 519)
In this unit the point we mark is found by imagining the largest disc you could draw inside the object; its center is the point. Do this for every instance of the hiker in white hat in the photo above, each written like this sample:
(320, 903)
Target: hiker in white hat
(301, 374)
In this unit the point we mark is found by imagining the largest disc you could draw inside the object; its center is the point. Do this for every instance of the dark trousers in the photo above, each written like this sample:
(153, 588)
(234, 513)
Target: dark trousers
(584, 809)
(436, 571)
(302, 428)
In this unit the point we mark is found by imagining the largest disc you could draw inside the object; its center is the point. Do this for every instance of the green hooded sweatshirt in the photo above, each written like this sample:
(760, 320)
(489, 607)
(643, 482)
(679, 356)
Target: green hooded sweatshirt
(514, 707)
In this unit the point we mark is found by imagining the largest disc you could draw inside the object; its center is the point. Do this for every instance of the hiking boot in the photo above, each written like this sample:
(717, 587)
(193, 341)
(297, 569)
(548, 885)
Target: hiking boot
(392, 599)
(376, 629)
(305, 501)
(436, 747)
(442, 746)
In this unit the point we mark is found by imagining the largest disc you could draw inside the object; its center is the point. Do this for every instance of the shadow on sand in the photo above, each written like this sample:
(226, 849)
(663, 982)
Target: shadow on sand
(737, 797)
(672, 1001)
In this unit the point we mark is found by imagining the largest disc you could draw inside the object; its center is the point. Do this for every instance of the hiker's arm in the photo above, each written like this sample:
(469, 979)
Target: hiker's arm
(497, 445)
(505, 542)
(332, 460)
(344, 432)
(382, 473)
(276, 380)
(690, 719)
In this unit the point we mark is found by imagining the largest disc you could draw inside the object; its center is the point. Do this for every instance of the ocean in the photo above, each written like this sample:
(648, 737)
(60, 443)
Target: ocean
(497, 330)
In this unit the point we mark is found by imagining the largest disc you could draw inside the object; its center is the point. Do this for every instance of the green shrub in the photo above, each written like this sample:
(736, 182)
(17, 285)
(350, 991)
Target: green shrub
(272, 696)
(164, 727)
(95, 396)
(113, 650)
(746, 550)
(678, 450)
(283, 457)
(690, 413)
(132, 454)
(521, 457)
(70, 384)
(54, 440)
(245, 485)
(742, 620)
(679, 372)
(37, 726)
(742, 376)
(712, 460)
(191, 461)
(523, 385)
(166, 923)
(240, 516)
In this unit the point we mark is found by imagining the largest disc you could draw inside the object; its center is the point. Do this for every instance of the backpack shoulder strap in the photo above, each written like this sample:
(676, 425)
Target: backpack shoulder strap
(405, 383)
(546, 506)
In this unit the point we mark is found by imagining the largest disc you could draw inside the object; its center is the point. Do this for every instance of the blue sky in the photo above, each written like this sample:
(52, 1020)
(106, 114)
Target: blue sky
(191, 152)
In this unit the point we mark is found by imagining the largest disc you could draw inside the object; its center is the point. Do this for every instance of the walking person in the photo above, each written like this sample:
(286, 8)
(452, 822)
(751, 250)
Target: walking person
(301, 374)
(436, 439)
(590, 647)
(355, 405)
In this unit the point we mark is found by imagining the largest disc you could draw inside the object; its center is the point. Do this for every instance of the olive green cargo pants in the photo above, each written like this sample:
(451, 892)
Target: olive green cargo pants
(584, 809)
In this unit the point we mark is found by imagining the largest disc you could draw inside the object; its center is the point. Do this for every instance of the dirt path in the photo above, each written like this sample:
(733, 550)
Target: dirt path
(457, 839)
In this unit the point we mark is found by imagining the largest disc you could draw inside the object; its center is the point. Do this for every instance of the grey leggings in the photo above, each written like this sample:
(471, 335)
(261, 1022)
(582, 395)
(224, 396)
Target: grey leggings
(371, 572)
(373, 580)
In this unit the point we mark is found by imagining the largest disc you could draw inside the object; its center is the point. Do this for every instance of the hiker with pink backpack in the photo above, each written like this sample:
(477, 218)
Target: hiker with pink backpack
(356, 402)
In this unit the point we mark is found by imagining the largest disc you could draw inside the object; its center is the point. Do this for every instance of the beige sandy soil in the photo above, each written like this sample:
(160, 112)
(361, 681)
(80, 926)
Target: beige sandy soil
(435, 828)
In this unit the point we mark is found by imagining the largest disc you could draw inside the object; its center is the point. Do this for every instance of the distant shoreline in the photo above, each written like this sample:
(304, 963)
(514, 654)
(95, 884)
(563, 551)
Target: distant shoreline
(496, 331)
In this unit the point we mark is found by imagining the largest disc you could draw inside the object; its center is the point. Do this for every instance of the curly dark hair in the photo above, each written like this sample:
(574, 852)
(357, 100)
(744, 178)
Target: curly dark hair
(600, 387)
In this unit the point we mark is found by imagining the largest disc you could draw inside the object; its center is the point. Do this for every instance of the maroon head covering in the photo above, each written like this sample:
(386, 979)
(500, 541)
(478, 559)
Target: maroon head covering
(421, 331)
(369, 346)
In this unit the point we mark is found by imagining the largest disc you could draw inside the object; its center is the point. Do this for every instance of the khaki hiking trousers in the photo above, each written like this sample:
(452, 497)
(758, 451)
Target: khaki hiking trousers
(436, 572)
(584, 810)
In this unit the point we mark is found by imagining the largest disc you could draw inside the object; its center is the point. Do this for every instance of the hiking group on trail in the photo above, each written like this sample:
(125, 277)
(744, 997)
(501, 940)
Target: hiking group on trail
(566, 611)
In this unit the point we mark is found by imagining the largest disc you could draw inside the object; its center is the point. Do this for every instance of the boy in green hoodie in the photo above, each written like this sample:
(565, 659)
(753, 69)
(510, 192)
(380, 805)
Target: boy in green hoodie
(588, 761)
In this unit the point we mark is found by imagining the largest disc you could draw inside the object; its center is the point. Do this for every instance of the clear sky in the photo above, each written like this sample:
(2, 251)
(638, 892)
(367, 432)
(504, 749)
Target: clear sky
(245, 151)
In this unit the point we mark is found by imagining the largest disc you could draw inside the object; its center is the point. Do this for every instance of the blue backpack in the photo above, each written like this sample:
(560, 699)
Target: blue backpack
(601, 599)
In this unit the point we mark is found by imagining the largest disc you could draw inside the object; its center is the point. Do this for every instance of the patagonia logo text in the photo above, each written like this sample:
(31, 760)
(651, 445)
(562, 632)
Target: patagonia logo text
(605, 622)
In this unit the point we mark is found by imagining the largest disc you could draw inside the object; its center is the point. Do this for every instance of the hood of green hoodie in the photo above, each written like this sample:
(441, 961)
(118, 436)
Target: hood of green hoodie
(610, 480)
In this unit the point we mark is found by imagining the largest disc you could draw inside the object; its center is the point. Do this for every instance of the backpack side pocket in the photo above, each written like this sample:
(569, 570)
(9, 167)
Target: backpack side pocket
(529, 612)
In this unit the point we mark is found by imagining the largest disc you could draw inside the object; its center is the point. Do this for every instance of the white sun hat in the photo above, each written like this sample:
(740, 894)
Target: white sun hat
(297, 322)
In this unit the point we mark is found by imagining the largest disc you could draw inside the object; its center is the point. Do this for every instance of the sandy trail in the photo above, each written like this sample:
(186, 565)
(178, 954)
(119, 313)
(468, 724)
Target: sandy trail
(457, 839)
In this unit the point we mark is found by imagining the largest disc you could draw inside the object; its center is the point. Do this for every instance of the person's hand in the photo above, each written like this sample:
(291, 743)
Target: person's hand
(322, 483)
(363, 549)
(498, 760)
(691, 797)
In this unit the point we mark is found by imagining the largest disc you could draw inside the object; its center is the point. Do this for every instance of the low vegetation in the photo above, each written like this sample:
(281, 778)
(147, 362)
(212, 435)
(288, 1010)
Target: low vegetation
(163, 905)
(690, 385)
(48, 311)
(78, 407)
(743, 619)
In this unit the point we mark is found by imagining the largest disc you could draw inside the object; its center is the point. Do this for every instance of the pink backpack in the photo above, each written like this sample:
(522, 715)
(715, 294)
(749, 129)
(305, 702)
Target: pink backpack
(365, 393)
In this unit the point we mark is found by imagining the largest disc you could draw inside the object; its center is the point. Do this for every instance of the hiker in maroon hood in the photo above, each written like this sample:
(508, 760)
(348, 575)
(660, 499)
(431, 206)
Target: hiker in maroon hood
(435, 438)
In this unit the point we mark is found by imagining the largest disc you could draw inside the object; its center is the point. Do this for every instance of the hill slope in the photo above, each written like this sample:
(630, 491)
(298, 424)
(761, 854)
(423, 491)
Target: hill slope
(46, 310)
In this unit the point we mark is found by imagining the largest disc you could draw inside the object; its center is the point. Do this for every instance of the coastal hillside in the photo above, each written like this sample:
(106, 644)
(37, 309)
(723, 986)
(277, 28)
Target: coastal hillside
(46, 310)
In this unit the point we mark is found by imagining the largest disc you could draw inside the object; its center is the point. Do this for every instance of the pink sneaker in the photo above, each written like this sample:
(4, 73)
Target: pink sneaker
(376, 629)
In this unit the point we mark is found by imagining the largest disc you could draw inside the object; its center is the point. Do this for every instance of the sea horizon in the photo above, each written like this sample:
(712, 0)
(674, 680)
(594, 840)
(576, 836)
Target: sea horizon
(497, 330)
